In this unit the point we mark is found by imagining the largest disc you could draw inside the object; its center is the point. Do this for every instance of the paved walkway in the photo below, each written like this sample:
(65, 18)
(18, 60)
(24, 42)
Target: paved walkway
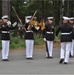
(18, 64)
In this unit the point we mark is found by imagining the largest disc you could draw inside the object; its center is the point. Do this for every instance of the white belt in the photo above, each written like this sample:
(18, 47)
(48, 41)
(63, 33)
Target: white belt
(29, 31)
(49, 32)
(5, 32)
(65, 33)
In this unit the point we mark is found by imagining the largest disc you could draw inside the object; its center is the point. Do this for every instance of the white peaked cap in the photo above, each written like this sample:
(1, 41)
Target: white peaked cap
(49, 18)
(71, 18)
(28, 16)
(5, 16)
(65, 18)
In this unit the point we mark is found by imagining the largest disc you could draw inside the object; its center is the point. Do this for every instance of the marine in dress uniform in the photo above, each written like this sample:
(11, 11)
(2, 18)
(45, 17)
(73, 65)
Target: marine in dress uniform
(29, 39)
(5, 37)
(71, 21)
(49, 27)
(65, 29)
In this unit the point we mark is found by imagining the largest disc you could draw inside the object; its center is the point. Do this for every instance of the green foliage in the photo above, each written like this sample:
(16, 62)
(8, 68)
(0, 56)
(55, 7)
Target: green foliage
(28, 8)
(13, 45)
(38, 41)
(17, 42)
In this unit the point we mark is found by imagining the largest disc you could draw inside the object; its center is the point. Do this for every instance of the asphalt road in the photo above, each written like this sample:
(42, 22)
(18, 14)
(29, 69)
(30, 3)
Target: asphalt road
(18, 64)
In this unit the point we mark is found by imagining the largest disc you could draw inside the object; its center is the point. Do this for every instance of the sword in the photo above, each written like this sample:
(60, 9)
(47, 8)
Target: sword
(47, 49)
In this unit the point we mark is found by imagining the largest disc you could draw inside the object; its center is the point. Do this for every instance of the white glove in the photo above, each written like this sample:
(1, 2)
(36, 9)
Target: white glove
(8, 23)
(14, 24)
(44, 39)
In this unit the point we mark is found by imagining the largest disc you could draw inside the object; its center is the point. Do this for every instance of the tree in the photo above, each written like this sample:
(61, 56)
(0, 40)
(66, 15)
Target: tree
(45, 8)
(66, 7)
(6, 7)
(1, 9)
(61, 11)
(42, 8)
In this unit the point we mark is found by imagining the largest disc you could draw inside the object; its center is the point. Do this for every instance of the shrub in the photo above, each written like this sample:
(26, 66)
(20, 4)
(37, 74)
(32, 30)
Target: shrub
(17, 42)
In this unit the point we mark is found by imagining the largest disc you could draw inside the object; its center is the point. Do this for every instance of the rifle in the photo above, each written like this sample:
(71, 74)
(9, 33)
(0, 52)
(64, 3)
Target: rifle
(19, 18)
(31, 20)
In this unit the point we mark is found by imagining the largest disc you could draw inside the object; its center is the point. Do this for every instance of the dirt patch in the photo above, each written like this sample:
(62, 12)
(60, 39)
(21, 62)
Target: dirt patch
(55, 45)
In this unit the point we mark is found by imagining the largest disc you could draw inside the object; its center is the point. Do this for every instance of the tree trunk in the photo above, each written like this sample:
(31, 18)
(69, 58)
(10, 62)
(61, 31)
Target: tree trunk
(73, 8)
(56, 12)
(66, 8)
(61, 11)
(42, 8)
(6, 7)
(54, 4)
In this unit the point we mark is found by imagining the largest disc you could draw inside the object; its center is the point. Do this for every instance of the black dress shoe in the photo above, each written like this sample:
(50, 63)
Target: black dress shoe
(3, 59)
(29, 58)
(65, 63)
(7, 60)
(61, 61)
